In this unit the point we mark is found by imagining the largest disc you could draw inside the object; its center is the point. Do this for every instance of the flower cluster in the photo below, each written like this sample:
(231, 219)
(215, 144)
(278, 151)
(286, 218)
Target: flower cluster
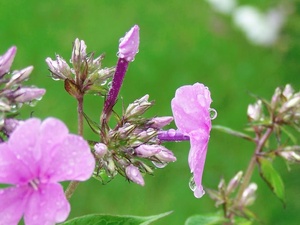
(86, 75)
(128, 148)
(12, 91)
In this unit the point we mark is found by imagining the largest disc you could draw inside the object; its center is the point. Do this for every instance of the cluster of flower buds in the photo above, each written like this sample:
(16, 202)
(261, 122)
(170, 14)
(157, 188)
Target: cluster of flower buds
(290, 153)
(286, 103)
(86, 75)
(12, 92)
(133, 148)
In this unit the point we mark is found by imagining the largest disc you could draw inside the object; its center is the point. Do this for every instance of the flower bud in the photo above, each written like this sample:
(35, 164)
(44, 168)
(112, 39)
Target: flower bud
(290, 156)
(234, 182)
(160, 122)
(6, 60)
(254, 111)
(138, 107)
(248, 195)
(10, 125)
(165, 155)
(100, 150)
(28, 94)
(59, 68)
(145, 150)
(288, 91)
(19, 76)
(78, 52)
(134, 175)
(129, 44)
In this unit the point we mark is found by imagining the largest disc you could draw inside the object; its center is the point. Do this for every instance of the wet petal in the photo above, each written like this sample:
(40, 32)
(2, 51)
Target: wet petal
(199, 141)
(12, 204)
(48, 206)
(12, 169)
(71, 160)
(190, 107)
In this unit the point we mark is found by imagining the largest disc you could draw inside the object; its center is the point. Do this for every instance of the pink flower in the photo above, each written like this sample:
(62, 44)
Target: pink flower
(129, 44)
(36, 157)
(191, 111)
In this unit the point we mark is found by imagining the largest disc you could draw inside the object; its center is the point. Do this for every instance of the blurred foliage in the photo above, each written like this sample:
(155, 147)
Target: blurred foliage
(181, 43)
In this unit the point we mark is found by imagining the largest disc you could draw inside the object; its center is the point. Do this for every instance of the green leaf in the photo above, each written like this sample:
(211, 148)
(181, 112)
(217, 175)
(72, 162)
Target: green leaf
(272, 178)
(210, 219)
(97, 219)
(232, 132)
(93, 125)
(289, 134)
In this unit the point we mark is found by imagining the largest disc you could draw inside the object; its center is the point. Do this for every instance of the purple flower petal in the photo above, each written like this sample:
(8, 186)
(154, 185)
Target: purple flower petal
(191, 111)
(72, 160)
(47, 206)
(12, 204)
(190, 107)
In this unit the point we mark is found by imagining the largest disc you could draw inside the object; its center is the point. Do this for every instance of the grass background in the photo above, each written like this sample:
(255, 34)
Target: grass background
(181, 43)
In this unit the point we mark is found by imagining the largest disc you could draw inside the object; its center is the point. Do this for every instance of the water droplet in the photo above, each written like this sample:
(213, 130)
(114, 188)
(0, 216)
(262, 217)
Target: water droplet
(109, 84)
(55, 78)
(171, 132)
(159, 165)
(103, 82)
(213, 113)
(192, 184)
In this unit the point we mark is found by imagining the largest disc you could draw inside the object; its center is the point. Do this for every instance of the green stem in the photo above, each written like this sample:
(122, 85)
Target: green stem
(73, 184)
(248, 174)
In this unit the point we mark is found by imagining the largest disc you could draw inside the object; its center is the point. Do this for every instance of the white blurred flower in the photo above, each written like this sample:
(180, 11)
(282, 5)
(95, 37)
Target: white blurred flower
(223, 6)
(260, 28)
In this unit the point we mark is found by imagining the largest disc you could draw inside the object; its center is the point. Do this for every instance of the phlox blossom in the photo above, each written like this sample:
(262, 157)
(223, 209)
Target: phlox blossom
(37, 156)
(191, 112)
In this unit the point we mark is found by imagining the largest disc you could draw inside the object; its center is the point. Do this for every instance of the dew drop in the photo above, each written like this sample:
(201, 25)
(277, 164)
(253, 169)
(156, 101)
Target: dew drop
(159, 165)
(213, 113)
(104, 82)
(171, 132)
(192, 184)
(109, 84)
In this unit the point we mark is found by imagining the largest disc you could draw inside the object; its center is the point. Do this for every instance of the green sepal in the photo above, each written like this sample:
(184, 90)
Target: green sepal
(93, 125)
(272, 178)
(72, 88)
(97, 219)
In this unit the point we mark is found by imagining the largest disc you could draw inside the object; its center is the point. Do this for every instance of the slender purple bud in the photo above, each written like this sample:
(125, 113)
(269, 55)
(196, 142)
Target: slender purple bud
(172, 135)
(134, 175)
(127, 50)
(145, 150)
(6, 60)
(19, 76)
(129, 44)
(28, 94)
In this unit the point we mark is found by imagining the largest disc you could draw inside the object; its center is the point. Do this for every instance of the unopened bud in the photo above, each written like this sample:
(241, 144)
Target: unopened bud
(254, 111)
(165, 155)
(100, 149)
(160, 122)
(145, 150)
(6, 60)
(19, 76)
(10, 125)
(290, 156)
(79, 51)
(293, 102)
(134, 174)
(138, 107)
(28, 94)
(59, 68)
(129, 44)
(248, 195)
(288, 91)
(234, 182)
(111, 166)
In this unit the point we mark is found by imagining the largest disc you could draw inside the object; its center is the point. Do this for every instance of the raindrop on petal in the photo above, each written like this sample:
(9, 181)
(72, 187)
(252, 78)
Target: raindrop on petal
(192, 184)
(213, 113)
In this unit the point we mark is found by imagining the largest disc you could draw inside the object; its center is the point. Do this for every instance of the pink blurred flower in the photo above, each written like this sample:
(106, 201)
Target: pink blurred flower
(37, 156)
(191, 111)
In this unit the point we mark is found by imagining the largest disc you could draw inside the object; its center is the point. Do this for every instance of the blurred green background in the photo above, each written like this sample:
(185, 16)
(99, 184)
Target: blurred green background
(182, 42)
